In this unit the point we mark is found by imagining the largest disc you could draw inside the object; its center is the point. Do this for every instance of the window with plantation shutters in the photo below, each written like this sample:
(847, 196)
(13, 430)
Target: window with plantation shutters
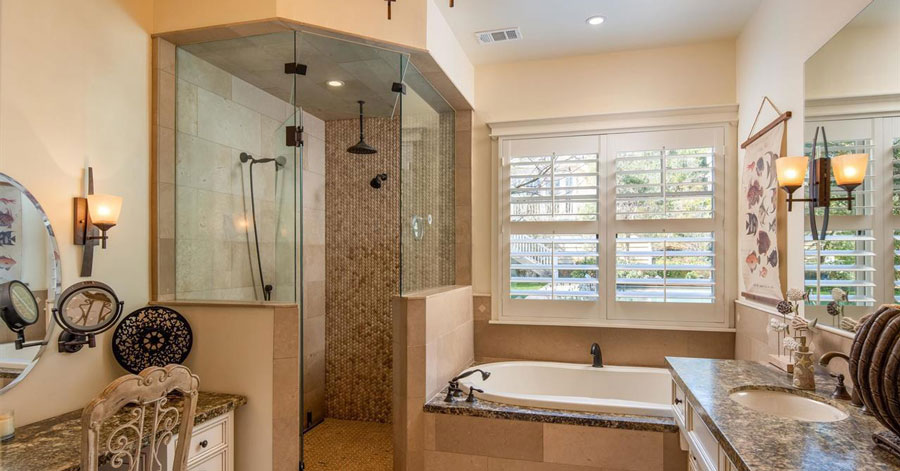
(673, 267)
(843, 260)
(665, 183)
(612, 228)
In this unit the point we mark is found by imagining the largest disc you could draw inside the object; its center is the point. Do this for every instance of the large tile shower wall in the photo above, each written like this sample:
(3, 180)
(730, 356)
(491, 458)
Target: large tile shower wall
(362, 255)
(218, 116)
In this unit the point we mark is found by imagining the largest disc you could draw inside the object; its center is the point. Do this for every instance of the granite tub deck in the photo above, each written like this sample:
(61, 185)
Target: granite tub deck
(494, 410)
(759, 442)
(54, 444)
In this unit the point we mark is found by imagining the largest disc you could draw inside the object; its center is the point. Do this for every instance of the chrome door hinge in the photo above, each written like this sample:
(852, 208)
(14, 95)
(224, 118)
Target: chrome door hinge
(294, 136)
(293, 68)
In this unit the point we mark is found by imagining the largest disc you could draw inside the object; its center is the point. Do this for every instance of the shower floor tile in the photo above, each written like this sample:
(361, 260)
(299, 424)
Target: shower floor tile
(348, 445)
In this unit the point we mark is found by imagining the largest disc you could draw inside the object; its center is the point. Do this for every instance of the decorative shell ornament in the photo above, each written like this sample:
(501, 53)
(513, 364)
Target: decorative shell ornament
(838, 295)
(790, 343)
(784, 307)
(848, 323)
(795, 294)
(875, 371)
(833, 309)
(799, 323)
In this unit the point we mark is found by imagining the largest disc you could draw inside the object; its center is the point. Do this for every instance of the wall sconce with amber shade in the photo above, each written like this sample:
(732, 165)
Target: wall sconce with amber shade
(92, 213)
(849, 172)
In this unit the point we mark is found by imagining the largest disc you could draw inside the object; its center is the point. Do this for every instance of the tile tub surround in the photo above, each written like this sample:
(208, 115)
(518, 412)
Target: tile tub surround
(362, 268)
(494, 410)
(432, 343)
(623, 347)
(55, 444)
(760, 442)
(487, 444)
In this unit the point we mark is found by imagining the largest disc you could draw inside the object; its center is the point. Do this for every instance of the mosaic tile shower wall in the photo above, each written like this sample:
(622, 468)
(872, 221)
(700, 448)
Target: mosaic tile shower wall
(362, 265)
(429, 256)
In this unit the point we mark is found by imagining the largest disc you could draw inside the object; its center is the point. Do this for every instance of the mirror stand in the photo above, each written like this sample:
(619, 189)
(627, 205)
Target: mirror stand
(70, 342)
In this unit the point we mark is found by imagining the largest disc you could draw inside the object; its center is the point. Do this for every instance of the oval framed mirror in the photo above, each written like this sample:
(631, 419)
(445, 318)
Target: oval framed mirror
(29, 266)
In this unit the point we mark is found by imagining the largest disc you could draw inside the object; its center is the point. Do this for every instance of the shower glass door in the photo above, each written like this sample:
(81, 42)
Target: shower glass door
(237, 182)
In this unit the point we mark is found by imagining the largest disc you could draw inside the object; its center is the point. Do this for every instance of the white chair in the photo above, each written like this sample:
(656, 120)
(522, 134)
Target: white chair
(150, 418)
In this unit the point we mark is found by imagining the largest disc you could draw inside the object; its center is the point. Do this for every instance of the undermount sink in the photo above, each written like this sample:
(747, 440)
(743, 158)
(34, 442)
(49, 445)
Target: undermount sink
(788, 405)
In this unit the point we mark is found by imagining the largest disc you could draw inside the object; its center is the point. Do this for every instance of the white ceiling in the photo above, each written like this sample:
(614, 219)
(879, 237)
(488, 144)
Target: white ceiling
(555, 28)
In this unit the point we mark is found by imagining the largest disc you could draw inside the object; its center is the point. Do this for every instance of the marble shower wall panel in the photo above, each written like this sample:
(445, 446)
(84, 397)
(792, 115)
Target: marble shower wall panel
(313, 216)
(362, 266)
(218, 116)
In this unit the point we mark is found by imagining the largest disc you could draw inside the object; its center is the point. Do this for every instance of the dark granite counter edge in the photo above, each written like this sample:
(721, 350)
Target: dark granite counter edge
(724, 443)
(493, 410)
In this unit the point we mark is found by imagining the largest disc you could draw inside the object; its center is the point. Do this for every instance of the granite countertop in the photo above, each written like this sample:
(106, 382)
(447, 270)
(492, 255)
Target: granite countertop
(54, 444)
(495, 410)
(759, 442)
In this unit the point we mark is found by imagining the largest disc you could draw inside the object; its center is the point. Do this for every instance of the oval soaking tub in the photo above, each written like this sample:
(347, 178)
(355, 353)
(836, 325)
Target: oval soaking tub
(611, 389)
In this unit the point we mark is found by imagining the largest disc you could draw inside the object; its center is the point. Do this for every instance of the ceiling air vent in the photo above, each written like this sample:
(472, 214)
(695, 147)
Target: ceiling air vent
(500, 35)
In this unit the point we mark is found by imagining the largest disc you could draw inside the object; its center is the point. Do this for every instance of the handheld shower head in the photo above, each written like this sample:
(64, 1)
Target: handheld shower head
(280, 162)
(245, 157)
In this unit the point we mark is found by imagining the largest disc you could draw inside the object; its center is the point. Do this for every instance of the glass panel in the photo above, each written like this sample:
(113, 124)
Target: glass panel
(665, 267)
(428, 206)
(554, 266)
(236, 181)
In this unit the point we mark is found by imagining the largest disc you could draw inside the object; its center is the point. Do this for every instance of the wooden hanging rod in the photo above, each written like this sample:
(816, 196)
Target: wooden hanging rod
(780, 119)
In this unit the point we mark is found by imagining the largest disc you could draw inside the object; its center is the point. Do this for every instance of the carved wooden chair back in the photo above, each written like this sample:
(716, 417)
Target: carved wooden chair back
(135, 442)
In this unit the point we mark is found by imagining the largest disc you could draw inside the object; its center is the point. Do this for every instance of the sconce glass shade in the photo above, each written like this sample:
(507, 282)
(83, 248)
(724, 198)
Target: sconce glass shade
(104, 210)
(849, 169)
(791, 171)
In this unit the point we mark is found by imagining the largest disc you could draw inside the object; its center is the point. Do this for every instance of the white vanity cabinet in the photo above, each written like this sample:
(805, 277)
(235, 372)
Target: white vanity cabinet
(211, 447)
(704, 452)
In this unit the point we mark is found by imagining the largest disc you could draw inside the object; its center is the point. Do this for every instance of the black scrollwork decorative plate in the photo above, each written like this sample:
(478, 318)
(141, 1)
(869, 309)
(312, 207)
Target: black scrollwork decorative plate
(152, 336)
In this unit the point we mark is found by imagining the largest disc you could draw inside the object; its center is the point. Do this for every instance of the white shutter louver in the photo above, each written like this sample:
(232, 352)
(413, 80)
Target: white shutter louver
(554, 266)
(553, 188)
(666, 267)
(844, 260)
(665, 184)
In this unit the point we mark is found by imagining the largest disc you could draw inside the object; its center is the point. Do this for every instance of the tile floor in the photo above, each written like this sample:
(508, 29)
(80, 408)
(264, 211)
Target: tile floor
(348, 445)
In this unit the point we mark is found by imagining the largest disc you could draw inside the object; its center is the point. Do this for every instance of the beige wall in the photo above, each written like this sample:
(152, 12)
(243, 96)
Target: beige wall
(858, 61)
(433, 342)
(771, 51)
(252, 350)
(360, 17)
(75, 89)
(650, 79)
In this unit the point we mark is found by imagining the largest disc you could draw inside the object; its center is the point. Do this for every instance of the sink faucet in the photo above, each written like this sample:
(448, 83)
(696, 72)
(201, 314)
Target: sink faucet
(840, 391)
(598, 355)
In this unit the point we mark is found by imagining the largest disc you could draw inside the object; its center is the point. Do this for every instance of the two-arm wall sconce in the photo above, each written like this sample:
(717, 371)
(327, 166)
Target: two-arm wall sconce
(92, 213)
(849, 172)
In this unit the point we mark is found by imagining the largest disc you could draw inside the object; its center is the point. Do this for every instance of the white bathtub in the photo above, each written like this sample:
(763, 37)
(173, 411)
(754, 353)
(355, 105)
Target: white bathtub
(611, 389)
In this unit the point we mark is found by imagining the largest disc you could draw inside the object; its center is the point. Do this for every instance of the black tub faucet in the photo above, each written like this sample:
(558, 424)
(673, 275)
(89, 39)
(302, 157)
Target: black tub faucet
(598, 355)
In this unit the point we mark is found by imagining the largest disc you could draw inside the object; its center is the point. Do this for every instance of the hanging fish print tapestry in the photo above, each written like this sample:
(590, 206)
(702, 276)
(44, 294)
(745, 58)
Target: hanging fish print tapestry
(10, 233)
(758, 241)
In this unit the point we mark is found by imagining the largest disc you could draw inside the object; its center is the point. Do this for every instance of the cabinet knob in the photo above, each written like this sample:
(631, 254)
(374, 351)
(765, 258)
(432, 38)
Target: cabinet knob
(678, 401)
(204, 444)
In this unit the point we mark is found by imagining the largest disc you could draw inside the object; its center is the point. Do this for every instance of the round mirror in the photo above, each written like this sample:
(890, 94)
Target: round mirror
(29, 281)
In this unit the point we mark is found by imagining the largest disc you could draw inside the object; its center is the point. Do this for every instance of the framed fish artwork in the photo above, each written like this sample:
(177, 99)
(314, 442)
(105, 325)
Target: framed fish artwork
(10, 233)
(762, 235)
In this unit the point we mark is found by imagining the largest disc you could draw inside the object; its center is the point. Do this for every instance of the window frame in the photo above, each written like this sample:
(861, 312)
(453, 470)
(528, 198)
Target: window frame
(716, 315)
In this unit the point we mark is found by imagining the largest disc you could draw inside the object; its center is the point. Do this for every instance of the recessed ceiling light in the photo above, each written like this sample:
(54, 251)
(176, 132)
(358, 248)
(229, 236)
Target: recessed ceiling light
(595, 20)
(334, 83)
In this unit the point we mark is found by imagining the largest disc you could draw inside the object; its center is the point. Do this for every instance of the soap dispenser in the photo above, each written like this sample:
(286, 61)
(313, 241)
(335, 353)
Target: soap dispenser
(804, 371)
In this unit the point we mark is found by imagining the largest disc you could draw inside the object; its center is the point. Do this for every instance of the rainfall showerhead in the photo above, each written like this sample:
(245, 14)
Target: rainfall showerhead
(361, 147)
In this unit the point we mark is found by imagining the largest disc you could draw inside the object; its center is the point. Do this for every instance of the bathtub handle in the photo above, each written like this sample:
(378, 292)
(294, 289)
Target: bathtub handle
(472, 391)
